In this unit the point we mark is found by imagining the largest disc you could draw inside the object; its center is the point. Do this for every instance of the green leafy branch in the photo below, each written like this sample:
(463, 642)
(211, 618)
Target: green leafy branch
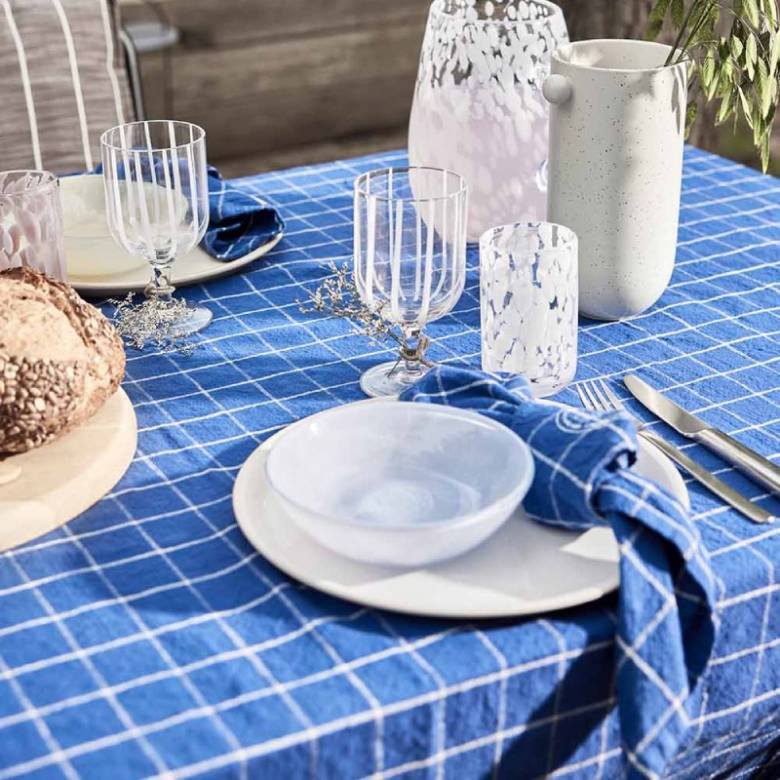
(738, 69)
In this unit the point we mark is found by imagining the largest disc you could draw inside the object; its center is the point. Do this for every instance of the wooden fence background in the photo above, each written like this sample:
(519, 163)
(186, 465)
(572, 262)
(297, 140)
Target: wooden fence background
(282, 82)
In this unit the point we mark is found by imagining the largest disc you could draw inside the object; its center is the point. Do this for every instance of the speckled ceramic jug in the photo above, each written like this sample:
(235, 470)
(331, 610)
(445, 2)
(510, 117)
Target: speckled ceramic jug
(617, 127)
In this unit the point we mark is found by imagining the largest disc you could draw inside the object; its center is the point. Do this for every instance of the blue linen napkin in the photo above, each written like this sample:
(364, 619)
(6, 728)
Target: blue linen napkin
(667, 615)
(239, 222)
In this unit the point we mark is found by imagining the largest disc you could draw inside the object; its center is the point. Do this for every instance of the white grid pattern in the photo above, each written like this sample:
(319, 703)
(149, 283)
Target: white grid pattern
(154, 592)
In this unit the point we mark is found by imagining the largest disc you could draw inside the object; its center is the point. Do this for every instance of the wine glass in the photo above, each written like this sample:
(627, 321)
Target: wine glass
(410, 260)
(157, 207)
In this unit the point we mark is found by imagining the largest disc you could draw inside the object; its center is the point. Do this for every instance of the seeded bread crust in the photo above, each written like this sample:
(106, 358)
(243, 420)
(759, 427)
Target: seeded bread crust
(60, 360)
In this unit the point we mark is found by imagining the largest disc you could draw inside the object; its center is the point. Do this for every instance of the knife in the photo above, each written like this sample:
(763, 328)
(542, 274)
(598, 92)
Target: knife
(746, 460)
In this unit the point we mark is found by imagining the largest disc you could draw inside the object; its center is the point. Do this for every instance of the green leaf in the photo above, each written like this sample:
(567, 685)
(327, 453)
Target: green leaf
(774, 54)
(690, 117)
(708, 73)
(750, 8)
(737, 47)
(678, 13)
(758, 125)
(765, 89)
(746, 107)
(725, 110)
(656, 19)
(725, 76)
(751, 49)
(770, 9)
(751, 55)
(766, 151)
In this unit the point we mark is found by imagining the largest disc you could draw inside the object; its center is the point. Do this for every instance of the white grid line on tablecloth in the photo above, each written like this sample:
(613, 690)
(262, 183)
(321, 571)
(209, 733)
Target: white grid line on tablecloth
(307, 245)
(300, 737)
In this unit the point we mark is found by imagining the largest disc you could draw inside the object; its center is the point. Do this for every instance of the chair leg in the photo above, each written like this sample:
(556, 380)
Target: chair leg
(134, 71)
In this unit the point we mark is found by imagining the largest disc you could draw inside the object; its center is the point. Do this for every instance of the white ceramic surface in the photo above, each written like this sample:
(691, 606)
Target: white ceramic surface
(45, 488)
(399, 484)
(98, 266)
(617, 128)
(524, 569)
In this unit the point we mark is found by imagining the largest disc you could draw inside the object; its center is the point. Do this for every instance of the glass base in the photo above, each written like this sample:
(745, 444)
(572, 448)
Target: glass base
(195, 319)
(388, 380)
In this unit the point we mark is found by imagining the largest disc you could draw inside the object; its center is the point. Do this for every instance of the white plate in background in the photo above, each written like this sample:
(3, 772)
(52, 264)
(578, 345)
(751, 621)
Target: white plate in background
(97, 266)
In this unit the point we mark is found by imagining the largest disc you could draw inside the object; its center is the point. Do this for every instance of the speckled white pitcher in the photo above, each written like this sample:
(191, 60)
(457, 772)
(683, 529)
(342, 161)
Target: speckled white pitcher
(617, 128)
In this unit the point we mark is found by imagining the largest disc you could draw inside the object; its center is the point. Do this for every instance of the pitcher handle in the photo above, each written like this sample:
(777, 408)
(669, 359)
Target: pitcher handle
(557, 89)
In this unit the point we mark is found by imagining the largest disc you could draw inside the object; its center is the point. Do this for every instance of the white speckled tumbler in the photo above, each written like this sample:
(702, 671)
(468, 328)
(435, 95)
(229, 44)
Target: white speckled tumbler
(528, 298)
(617, 127)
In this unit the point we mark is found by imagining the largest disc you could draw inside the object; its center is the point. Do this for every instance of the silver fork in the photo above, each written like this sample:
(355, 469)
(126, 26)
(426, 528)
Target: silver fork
(596, 396)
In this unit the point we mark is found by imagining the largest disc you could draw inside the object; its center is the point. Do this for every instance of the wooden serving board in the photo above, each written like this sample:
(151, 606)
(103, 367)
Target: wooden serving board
(45, 488)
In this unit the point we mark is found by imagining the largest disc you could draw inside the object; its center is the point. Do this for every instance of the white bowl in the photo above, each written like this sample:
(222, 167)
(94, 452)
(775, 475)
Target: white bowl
(399, 484)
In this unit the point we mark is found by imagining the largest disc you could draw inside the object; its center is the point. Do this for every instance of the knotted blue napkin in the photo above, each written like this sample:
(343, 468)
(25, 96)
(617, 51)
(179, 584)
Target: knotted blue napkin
(667, 600)
(239, 223)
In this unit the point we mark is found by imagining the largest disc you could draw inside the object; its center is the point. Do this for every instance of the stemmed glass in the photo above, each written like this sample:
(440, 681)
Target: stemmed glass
(157, 207)
(410, 260)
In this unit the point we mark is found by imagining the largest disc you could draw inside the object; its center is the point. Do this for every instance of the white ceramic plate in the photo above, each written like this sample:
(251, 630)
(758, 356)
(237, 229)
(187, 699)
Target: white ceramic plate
(524, 569)
(42, 489)
(98, 266)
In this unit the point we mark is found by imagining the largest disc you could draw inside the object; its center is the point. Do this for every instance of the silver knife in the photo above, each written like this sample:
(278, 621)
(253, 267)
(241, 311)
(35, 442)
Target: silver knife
(746, 460)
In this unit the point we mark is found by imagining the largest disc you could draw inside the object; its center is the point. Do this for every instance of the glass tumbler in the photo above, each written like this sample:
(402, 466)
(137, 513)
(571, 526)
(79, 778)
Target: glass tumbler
(31, 222)
(410, 260)
(528, 300)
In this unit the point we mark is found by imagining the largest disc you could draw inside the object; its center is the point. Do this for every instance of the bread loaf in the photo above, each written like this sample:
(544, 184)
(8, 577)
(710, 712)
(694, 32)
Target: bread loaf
(60, 360)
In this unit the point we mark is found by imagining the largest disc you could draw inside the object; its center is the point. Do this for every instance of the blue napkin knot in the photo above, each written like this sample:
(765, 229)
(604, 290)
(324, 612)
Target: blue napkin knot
(667, 617)
(239, 222)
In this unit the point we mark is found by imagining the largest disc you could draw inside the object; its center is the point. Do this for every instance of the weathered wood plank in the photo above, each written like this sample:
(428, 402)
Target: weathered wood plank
(338, 149)
(293, 90)
(230, 23)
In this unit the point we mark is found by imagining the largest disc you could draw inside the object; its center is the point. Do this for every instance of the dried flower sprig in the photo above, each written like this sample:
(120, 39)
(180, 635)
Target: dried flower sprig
(338, 296)
(152, 322)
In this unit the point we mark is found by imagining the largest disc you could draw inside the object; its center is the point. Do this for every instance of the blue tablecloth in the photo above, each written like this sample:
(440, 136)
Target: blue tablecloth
(148, 637)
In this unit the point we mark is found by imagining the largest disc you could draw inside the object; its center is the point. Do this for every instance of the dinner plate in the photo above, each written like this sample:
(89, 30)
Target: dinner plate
(525, 568)
(97, 266)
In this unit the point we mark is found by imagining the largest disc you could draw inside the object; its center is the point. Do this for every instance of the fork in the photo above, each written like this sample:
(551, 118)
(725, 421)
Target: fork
(596, 396)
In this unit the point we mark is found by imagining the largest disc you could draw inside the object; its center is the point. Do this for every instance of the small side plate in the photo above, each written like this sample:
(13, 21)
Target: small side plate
(524, 569)
(98, 267)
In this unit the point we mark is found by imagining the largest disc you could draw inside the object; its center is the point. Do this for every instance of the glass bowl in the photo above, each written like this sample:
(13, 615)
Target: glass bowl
(399, 484)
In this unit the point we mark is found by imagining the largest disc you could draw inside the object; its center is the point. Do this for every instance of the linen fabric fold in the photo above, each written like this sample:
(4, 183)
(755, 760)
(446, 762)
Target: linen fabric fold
(239, 222)
(667, 616)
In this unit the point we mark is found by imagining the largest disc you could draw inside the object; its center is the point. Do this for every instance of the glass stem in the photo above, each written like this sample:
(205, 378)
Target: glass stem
(160, 287)
(413, 350)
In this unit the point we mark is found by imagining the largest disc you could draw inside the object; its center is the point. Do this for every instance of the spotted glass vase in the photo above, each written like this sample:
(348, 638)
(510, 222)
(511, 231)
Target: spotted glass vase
(478, 108)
